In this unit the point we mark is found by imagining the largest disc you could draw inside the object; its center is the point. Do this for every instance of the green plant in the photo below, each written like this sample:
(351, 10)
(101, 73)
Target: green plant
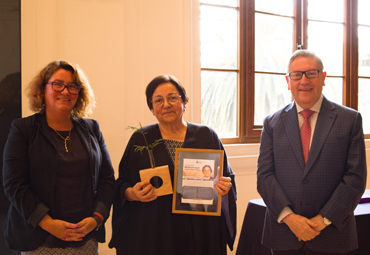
(148, 147)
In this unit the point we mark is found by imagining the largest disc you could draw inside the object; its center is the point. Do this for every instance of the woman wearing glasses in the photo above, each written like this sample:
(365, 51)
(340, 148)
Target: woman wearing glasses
(57, 170)
(144, 223)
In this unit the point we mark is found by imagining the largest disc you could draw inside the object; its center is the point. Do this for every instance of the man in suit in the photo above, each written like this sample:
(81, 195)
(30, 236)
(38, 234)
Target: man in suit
(311, 168)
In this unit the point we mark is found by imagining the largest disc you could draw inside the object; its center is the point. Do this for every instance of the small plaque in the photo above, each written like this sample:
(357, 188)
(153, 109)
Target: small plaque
(160, 179)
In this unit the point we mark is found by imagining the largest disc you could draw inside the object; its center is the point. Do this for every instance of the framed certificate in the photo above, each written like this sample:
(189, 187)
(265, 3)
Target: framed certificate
(197, 172)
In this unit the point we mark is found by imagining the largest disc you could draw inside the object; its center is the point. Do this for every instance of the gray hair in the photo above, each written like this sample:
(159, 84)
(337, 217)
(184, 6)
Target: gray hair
(306, 54)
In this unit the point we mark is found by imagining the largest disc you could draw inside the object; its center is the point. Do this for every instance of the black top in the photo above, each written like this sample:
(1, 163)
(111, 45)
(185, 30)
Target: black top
(73, 200)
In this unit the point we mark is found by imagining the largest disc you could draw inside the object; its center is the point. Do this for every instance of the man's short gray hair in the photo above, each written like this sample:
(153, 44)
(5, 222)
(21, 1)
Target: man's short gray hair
(306, 54)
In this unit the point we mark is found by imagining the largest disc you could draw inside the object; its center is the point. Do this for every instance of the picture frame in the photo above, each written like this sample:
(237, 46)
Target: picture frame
(197, 172)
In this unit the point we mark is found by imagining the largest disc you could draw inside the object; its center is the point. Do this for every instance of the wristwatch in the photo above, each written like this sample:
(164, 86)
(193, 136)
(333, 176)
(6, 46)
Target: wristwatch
(326, 221)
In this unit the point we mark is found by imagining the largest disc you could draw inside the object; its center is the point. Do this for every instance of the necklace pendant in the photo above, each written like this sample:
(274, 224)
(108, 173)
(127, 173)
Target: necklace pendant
(67, 139)
(65, 145)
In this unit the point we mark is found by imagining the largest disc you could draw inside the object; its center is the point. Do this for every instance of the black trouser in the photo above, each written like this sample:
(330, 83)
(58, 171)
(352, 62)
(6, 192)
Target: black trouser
(303, 251)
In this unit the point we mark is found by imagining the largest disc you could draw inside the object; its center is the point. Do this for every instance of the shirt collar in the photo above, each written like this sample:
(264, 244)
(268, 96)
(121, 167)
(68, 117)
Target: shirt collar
(316, 107)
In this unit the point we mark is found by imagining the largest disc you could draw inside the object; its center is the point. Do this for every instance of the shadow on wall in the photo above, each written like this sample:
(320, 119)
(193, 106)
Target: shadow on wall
(10, 109)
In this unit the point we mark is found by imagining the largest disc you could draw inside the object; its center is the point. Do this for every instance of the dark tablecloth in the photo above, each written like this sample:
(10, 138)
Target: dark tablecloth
(251, 233)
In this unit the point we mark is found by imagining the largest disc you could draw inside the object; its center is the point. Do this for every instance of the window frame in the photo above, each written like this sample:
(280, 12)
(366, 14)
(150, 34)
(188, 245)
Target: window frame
(249, 132)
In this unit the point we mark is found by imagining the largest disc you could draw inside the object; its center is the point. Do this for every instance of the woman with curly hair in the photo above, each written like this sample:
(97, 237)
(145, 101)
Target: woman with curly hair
(58, 174)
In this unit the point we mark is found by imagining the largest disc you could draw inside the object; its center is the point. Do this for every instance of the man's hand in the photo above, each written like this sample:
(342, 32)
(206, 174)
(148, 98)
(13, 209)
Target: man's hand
(303, 228)
(320, 223)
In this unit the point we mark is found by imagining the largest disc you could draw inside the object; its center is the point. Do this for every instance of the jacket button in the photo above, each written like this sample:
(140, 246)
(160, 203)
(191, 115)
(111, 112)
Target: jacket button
(305, 181)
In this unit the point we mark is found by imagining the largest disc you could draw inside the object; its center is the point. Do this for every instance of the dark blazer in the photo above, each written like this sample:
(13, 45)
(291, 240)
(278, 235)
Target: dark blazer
(30, 171)
(330, 184)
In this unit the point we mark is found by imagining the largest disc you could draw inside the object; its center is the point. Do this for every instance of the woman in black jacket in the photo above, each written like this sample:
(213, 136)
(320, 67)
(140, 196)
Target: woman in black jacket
(143, 224)
(57, 170)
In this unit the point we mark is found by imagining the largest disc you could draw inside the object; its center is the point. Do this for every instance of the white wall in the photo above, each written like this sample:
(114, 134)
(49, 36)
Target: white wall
(122, 45)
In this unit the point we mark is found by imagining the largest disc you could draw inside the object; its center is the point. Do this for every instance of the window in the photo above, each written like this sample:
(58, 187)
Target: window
(220, 66)
(245, 48)
(364, 63)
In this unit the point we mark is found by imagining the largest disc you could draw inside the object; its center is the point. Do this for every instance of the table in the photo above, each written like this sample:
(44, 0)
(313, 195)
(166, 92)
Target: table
(251, 233)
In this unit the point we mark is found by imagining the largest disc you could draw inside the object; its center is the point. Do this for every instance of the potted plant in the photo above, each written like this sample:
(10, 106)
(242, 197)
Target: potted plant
(159, 177)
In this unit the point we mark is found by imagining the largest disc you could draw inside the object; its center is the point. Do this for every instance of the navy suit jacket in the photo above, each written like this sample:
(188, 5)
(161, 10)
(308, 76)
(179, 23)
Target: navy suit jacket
(330, 184)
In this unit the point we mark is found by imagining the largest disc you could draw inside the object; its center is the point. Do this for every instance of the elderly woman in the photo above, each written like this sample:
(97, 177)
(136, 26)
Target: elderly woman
(144, 223)
(58, 175)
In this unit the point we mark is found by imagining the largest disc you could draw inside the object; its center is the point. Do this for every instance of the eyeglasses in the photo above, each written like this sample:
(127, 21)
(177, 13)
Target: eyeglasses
(172, 99)
(310, 74)
(59, 87)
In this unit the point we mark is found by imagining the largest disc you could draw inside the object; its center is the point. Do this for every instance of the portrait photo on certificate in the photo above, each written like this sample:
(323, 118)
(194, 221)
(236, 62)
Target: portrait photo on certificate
(197, 173)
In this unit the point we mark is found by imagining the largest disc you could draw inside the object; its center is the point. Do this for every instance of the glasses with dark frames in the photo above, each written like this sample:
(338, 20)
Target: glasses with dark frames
(310, 74)
(59, 87)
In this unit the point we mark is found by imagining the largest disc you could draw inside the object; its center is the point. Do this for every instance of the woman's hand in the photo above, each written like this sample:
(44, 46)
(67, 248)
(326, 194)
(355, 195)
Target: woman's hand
(83, 228)
(224, 185)
(59, 229)
(142, 191)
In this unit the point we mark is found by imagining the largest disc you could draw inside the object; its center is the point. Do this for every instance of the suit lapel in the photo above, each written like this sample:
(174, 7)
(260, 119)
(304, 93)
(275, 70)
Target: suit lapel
(44, 128)
(291, 125)
(82, 130)
(325, 121)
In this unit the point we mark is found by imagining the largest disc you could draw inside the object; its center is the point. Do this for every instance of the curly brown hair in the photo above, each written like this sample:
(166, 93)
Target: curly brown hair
(36, 89)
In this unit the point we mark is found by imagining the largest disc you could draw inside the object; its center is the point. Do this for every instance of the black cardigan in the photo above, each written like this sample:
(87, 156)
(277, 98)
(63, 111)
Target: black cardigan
(30, 168)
